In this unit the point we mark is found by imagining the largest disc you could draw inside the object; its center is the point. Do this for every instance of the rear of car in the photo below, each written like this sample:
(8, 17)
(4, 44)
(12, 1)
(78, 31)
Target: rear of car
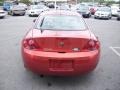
(103, 13)
(2, 13)
(84, 11)
(114, 10)
(35, 10)
(57, 46)
(17, 10)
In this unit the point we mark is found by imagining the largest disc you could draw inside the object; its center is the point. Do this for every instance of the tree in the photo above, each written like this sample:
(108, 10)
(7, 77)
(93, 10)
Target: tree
(25, 1)
(1, 2)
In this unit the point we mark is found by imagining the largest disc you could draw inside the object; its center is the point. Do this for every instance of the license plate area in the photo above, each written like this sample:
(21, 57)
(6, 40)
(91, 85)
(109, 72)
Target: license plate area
(61, 65)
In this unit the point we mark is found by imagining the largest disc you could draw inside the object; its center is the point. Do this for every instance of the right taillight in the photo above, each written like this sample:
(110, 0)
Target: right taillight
(91, 45)
(30, 44)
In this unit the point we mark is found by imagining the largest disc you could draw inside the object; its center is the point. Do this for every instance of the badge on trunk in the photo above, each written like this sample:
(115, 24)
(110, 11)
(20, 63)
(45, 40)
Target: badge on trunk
(61, 44)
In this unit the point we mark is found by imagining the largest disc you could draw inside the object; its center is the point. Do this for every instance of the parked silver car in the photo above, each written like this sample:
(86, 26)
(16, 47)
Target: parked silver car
(2, 13)
(103, 12)
(35, 10)
(17, 10)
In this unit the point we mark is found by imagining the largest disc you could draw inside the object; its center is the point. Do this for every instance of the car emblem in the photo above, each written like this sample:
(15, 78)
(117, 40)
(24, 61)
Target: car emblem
(61, 44)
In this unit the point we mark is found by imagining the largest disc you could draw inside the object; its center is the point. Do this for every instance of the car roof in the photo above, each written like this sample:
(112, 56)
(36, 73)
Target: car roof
(105, 7)
(60, 12)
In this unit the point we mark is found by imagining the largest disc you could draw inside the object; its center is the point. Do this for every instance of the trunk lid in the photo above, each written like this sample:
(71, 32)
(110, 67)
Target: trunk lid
(61, 41)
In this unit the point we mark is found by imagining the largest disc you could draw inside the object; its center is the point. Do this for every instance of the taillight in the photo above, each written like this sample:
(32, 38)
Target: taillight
(91, 45)
(30, 44)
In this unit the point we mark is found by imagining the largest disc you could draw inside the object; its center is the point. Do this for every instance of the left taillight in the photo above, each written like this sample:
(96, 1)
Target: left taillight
(30, 44)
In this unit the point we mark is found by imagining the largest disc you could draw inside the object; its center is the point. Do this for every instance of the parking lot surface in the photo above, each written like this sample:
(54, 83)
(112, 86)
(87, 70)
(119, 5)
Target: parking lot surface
(13, 75)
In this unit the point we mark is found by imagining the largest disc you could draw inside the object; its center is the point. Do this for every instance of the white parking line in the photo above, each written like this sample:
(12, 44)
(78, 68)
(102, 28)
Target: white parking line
(115, 51)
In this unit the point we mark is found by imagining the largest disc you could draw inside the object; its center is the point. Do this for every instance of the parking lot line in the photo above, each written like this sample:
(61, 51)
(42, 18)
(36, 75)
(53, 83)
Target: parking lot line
(115, 51)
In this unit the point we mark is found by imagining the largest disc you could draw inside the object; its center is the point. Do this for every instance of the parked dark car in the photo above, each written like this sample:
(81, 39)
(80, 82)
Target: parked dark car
(51, 5)
(84, 11)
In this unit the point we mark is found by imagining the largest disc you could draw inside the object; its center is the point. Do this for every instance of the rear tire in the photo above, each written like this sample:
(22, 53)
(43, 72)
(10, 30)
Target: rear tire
(23, 14)
(12, 13)
(118, 18)
(87, 16)
(95, 17)
(30, 15)
(2, 17)
(110, 17)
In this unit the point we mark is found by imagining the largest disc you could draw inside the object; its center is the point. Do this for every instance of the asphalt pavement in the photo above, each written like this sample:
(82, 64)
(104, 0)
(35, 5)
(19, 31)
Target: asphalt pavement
(13, 75)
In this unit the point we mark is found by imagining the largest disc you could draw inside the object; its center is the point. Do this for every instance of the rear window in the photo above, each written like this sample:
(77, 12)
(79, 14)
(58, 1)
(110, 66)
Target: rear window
(106, 9)
(18, 7)
(37, 7)
(62, 22)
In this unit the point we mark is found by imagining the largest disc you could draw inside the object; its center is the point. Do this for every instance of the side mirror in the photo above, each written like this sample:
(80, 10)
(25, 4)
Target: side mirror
(34, 20)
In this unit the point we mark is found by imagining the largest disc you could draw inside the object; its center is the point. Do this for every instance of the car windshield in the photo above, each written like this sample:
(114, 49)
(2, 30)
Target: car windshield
(83, 8)
(17, 7)
(106, 9)
(36, 7)
(64, 7)
(62, 22)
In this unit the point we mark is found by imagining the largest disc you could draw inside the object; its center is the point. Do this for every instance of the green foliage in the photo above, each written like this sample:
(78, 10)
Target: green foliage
(25, 1)
(1, 2)
(108, 2)
(99, 1)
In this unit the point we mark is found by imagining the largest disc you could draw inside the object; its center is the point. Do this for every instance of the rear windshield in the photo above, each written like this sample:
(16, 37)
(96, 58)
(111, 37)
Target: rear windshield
(83, 8)
(62, 22)
(36, 7)
(106, 9)
(18, 7)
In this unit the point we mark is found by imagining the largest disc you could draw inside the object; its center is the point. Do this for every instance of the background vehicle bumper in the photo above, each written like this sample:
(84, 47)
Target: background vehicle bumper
(102, 17)
(33, 13)
(19, 12)
(86, 15)
(2, 15)
(39, 62)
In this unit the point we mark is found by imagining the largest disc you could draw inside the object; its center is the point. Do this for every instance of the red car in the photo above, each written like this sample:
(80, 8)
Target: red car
(60, 44)
(93, 10)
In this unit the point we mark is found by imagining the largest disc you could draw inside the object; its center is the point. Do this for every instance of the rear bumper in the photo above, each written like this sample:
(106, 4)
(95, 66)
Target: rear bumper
(39, 62)
(19, 12)
(3, 15)
(104, 17)
(33, 13)
(86, 15)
